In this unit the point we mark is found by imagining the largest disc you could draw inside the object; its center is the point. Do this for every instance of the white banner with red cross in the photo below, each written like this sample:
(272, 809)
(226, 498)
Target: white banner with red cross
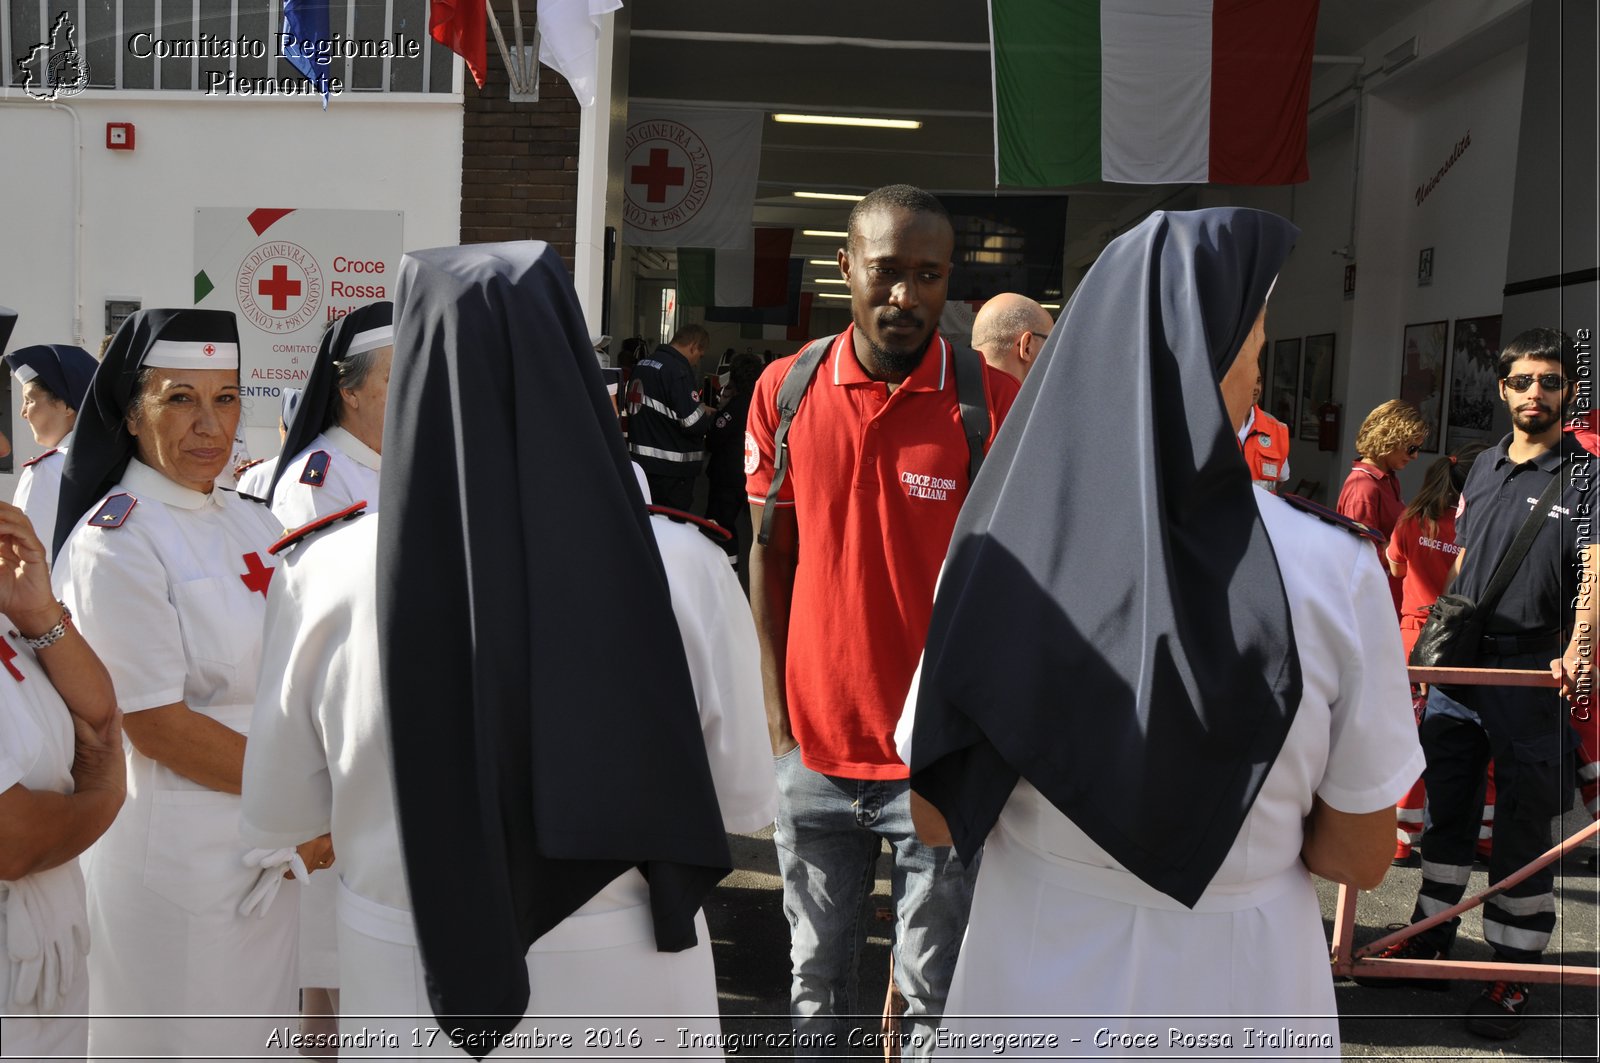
(286, 274)
(689, 177)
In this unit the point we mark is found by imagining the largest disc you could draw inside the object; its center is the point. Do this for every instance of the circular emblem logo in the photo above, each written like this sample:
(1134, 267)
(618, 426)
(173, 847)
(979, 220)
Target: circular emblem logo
(69, 74)
(279, 287)
(1265, 440)
(669, 175)
(752, 454)
(54, 67)
(635, 395)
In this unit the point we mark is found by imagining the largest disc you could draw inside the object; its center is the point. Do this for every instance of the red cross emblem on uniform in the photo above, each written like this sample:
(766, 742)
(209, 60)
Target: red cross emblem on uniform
(257, 575)
(209, 349)
(7, 655)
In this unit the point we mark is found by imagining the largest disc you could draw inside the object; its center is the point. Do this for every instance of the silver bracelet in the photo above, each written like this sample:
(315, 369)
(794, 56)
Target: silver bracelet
(51, 637)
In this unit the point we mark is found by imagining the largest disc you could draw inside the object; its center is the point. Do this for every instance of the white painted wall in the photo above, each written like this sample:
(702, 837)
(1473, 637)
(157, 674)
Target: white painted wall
(135, 224)
(1466, 219)
(600, 130)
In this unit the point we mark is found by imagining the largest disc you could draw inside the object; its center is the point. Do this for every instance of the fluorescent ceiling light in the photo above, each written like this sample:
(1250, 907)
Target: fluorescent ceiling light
(822, 262)
(845, 196)
(829, 280)
(824, 232)
(843, 119)
(833, 295)
(1051, 306)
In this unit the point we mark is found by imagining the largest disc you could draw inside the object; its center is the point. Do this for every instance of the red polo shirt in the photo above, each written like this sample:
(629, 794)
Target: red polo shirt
(1373, 498)
(876, 480)
(1427, 558)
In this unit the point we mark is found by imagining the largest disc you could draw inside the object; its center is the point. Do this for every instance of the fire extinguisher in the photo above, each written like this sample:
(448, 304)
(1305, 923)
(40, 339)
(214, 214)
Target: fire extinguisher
(1329, 416)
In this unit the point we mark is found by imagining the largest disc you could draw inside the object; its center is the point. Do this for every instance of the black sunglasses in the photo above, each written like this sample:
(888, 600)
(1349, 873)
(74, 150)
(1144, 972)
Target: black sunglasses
(1523, 381)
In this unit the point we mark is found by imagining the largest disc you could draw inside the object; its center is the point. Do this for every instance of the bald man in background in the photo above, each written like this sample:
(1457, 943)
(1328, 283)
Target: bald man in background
(1010, 332)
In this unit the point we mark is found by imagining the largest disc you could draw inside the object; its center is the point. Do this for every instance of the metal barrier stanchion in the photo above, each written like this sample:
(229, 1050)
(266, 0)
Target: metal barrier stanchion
(1347, 962)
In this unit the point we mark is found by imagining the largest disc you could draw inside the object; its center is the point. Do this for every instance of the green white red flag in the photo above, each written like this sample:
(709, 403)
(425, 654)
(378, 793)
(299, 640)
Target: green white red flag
(1151, 91)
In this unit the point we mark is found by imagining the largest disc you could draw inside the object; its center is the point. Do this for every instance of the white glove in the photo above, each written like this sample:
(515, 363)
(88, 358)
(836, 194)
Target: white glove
(273, 863)
(47, 935)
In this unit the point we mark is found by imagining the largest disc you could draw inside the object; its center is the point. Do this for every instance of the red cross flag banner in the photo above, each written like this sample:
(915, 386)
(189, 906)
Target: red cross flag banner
(285, 274)
(689, 177)
(1151, 91)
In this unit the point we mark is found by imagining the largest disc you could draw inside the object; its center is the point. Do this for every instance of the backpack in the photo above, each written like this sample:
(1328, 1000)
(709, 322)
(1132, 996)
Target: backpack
(969, 393)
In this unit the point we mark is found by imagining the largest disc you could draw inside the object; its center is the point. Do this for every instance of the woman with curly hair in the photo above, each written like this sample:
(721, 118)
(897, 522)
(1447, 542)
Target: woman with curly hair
(1389, 438)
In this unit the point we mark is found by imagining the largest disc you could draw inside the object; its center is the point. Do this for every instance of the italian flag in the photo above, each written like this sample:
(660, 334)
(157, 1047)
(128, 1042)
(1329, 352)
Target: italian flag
(1151, 91)
(752, 276)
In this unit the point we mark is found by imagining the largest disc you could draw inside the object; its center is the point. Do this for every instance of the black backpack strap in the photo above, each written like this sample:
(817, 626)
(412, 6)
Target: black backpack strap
(974, 406)
(789, 396)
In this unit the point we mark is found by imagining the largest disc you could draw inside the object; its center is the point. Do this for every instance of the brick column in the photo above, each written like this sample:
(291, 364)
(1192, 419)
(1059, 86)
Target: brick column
(519, 162)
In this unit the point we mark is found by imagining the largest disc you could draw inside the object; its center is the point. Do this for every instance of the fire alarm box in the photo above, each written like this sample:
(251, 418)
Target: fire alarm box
(1330, 415)
(119, 136)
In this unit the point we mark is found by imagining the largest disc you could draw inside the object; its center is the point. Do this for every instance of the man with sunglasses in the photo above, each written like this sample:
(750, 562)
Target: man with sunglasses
(1546, 612)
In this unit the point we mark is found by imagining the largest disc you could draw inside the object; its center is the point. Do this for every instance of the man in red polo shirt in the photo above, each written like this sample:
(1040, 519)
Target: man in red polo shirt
(842, 594)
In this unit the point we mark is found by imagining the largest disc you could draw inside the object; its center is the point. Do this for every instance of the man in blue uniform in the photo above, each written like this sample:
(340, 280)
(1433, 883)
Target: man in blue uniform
(1524, 731)
(667, 422)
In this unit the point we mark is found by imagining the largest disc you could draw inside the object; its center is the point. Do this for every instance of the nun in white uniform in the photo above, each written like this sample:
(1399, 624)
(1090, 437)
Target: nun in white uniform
(54, 378)
(168, 578)
(61, 784)
(333, 453)
(331, 458)
(333, 697)
(1197, 721)
(318, 759)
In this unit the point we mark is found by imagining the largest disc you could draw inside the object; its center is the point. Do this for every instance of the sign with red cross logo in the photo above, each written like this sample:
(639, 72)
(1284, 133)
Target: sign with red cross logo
(279, 287)
(689, 177)
(286, 273)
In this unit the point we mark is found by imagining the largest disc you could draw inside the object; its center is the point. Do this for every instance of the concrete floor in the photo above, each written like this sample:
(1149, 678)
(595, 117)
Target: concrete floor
(751, 943)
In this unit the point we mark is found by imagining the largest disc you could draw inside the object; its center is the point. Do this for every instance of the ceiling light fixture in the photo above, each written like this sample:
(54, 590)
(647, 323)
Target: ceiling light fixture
(824, 232)
(846, 197)
(821, 262)
(843, 119)
(1051, 306)
(829, 280)
(833, 295)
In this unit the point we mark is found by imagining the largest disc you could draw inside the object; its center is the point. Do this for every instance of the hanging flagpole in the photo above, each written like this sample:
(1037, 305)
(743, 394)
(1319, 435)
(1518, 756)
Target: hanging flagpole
(566, 31)
(522, 63)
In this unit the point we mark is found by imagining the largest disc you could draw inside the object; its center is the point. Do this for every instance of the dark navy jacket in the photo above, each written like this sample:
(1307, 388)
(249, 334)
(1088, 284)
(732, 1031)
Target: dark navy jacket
(666, 423)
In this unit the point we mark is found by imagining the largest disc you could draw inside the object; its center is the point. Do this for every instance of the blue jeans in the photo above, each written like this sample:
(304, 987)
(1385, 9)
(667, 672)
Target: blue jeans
(828, 838)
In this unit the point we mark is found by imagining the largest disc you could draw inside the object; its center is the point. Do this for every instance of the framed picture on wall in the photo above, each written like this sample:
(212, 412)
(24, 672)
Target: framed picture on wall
(1285, 380)
(1316, 382)
(1473, 395)
(1422, 357)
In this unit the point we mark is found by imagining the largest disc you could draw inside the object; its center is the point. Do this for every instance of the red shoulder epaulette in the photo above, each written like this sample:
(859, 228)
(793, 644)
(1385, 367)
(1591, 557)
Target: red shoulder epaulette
(31, 462)
(305, 531)
(1337, 519)
(710, 528)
